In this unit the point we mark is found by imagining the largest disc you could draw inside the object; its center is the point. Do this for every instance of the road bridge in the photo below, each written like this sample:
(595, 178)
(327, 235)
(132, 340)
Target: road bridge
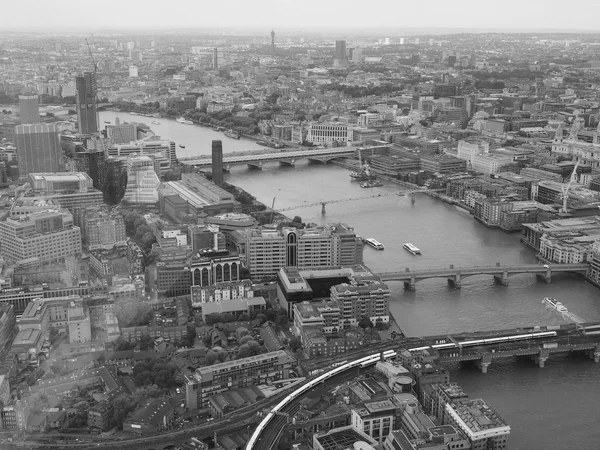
(322, 155)
(500, 273)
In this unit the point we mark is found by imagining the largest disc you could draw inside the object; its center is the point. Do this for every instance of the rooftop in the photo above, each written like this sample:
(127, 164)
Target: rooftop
(476, 417)
(342, 438)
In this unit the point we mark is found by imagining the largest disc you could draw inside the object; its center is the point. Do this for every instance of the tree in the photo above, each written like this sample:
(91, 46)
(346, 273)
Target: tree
(211, 357)
(243, 317)
(245, 340)
(297, 219)
(191, 336)
(244, 351)
(241, 332)
(145, 342)
(223, 356)
(365, 323)
(281, 318)
(295, 343)
(262, 318)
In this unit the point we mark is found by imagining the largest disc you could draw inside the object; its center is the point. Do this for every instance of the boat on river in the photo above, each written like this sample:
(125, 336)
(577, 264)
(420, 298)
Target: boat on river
(411, 248)
(375, 244)
(232, 134)
(554, 304)
(370, 184)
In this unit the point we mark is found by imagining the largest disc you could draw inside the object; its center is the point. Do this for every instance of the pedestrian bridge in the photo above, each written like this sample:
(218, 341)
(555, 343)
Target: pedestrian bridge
(498, 271)
(323, 155)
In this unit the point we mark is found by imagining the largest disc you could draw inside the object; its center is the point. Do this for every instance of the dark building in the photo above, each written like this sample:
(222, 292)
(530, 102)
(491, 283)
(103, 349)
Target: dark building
(38, 149)
(340, 50)
(273, 42)
(87, 116)
(29, 108)
(217, 162)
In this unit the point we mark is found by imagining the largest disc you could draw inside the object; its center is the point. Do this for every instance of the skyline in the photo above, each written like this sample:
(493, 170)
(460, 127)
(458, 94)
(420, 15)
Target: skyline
(462, 15)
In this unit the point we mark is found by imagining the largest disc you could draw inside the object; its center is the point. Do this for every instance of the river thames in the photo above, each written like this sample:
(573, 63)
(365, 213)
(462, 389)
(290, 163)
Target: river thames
(550, 408)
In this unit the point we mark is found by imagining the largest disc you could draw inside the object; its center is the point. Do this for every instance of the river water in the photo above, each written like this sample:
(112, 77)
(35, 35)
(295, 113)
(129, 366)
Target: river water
(551, 408)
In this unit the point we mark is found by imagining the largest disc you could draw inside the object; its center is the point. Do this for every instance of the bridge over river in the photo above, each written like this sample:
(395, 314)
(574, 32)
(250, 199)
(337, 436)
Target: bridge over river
(322, 155)
(500, 273)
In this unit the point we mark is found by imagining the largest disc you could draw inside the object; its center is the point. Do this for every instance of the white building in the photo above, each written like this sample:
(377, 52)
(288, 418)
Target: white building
(133, 72)
(324, 133)
(142, 180)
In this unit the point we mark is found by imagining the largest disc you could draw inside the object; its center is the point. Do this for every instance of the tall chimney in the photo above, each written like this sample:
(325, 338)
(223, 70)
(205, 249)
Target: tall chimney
(217, 162)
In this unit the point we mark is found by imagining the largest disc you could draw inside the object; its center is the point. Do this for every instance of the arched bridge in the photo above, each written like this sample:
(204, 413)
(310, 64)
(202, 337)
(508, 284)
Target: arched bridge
(284, 157)
(500, 273)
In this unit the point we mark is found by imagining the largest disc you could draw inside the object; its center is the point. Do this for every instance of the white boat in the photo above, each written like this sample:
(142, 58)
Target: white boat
(375, 244)
(411, 248)
(554, 304)
(155, 122)
(185, 121)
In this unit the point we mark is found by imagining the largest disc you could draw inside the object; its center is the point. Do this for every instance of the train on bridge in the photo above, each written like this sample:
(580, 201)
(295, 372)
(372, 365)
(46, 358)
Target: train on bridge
(497, 340)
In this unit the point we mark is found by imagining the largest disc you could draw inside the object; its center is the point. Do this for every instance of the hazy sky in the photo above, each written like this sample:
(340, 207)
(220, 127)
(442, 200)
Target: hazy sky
(533, 15)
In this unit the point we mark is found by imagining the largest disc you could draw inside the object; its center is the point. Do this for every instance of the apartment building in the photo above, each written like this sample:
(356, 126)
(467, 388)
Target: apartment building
(218, 378)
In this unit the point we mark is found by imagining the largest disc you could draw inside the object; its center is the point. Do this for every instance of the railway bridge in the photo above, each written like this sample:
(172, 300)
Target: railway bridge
(539, 352)
(498, 271)
(256, 160)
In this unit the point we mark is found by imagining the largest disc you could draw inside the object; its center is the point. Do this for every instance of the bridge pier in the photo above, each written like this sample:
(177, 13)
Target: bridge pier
(486, 361)
(502, 279)
(454, 281)
(541, 358)
(255, 165)
(595, 353)
(288, 162)
(227, 168)
(547, 277)
(411, 284)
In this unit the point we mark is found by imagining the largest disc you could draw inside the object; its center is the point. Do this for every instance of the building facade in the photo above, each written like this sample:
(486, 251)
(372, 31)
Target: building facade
(38, 148)
(218, 378)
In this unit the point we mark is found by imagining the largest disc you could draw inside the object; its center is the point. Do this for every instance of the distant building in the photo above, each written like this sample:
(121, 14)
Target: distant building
(29, 108)
(121, 133)
(38, 149)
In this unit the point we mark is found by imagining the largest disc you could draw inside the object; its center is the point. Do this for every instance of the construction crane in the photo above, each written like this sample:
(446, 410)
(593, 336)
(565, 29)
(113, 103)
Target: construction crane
(565, 187)
(89, 47)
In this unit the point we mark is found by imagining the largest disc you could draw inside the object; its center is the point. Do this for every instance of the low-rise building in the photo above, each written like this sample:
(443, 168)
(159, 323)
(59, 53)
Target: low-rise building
(156, 416)
(218, 378)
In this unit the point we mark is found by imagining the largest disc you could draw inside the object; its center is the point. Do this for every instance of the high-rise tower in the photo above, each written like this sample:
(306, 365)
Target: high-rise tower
(29, 108)
(272, 42)
(87, 114)
(217, 162)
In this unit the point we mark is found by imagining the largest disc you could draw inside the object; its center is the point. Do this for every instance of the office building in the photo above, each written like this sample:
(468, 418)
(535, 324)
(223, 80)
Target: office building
(376, 419)
(340, 52)
(7, 325)
(79, 322)
(217, 162)
(267, 250)
(29, 108)
(103, 229)
(38, 149)
(135, 55)
(35, 317)
(328, 133)
(4, 390)
(87, 114)
(45, 237)
(52, 183)
(142, 180)
(121, 133)
(218, 378)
